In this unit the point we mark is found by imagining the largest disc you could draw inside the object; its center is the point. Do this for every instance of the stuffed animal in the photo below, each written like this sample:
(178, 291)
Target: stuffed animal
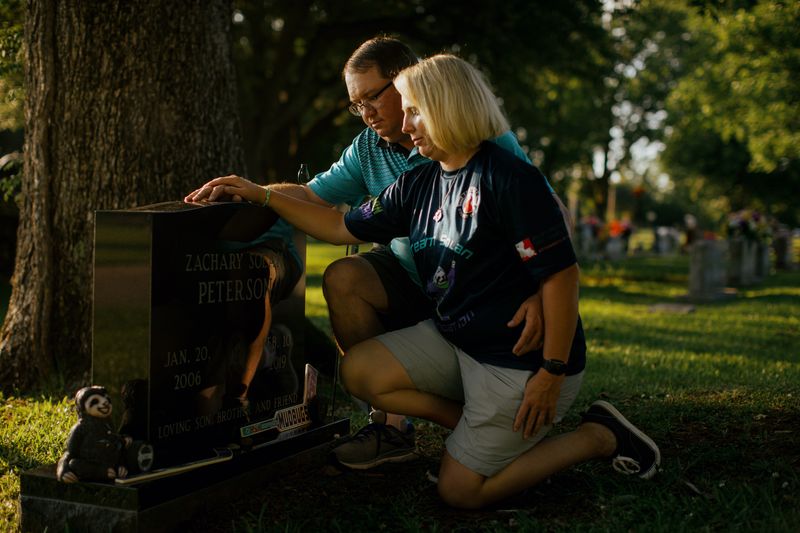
(94, 451)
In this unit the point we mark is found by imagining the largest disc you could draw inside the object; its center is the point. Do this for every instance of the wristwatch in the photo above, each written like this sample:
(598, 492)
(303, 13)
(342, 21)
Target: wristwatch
(555, 367)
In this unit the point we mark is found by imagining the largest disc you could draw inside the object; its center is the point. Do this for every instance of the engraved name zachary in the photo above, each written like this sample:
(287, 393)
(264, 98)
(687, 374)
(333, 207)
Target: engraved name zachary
(228, 290)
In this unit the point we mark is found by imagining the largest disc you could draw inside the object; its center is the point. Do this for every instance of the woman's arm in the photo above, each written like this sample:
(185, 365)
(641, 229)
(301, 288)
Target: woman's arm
(320, 222)
(560, 303)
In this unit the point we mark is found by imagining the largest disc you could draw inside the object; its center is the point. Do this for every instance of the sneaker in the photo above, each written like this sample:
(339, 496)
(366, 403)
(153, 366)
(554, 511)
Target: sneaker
(375, 444)
(636, 453)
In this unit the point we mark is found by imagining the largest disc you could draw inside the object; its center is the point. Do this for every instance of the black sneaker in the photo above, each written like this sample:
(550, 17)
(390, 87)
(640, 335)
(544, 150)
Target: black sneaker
(636, 453)
(375, 444)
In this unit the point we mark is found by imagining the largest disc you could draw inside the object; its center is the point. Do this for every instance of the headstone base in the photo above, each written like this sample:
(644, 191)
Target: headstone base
(728, 293)
(164, 504)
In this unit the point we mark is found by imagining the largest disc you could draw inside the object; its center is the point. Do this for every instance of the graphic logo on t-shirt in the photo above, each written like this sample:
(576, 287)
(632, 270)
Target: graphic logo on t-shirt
(441, 282)
(371, 208)
(468, 202)
(525, 249)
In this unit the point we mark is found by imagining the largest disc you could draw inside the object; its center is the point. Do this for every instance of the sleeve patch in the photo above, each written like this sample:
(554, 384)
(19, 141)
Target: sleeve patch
(529, 248)
(371, 208)
(525, 249)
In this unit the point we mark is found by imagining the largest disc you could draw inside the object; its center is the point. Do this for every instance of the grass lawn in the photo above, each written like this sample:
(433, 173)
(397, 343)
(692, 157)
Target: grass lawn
(717, 388)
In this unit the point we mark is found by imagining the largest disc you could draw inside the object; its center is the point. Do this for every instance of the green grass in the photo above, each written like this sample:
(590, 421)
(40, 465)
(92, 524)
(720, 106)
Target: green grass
(319, 256)
(718, 388)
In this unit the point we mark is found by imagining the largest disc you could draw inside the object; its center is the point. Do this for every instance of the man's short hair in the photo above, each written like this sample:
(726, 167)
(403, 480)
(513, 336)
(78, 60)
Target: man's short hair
(456, 103)
(386, 53)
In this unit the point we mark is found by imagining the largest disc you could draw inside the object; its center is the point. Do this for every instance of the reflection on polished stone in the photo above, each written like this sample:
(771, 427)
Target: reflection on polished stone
(179, 301)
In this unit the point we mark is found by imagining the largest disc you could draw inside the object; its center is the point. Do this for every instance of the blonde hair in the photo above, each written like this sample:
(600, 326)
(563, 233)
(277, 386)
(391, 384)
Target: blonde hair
(455, 101)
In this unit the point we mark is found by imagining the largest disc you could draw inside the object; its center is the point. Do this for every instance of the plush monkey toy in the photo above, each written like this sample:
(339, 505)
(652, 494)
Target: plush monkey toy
(95, 452)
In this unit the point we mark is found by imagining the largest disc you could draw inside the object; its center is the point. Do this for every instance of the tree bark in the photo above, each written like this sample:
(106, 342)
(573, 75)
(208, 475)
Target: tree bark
(128, 103)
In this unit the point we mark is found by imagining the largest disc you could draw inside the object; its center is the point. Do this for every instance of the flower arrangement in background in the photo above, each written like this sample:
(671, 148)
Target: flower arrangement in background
(620, 228)
(749, 224)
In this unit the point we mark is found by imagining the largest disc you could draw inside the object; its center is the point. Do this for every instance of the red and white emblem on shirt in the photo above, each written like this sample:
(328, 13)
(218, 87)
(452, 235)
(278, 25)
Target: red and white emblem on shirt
(468, 202)
(525, 249)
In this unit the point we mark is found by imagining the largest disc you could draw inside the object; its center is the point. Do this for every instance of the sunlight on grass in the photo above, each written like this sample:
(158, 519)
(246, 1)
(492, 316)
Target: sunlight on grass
(318, 256)
(718, 388)
(32, 432)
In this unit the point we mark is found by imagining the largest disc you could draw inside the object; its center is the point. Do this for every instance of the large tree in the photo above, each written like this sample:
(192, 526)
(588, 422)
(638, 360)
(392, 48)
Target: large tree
(128, 103)
(735, 115)
(289, 57)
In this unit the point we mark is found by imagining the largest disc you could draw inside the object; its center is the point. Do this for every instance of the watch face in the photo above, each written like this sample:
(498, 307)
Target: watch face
(555, 367)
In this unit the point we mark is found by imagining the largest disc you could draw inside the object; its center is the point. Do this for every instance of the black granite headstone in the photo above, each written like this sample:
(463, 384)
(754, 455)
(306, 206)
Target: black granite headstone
(179, 301)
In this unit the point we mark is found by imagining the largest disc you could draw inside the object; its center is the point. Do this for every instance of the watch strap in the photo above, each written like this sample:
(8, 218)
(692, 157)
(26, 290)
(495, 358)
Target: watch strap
(555, 367)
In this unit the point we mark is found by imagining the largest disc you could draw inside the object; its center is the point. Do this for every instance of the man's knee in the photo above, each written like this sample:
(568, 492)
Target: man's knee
(342, 276)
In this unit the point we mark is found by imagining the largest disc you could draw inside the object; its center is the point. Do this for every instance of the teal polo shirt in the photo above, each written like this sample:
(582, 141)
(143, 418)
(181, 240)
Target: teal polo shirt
(369, 165)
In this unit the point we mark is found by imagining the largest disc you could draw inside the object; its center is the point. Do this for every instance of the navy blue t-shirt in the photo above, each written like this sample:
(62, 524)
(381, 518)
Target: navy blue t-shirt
(482, 238)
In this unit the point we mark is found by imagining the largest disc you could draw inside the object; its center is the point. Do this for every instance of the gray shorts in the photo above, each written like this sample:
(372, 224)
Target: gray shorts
(483, 440)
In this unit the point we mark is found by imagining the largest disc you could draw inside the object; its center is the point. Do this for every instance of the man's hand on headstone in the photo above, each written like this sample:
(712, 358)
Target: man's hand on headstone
(530, 312)
(227, 188)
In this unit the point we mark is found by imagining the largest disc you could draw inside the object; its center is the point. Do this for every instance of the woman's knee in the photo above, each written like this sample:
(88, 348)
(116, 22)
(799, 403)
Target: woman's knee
(459, 492)
(369, 370)
(349, 371)
(358, 371)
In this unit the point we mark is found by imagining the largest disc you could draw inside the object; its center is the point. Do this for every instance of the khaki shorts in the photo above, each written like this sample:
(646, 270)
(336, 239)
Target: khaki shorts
(483, 440)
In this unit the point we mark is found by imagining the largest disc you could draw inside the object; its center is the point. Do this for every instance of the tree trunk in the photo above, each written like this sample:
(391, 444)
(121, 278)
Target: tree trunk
(128, 103)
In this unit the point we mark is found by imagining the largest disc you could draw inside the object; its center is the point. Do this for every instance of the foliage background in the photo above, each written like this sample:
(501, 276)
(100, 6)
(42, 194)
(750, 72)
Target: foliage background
(693, 103)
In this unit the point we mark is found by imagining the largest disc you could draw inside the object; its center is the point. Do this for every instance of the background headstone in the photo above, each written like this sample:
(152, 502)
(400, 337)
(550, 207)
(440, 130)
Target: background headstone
(667, 240)
(763, 262)
(615, 248)
(707, 270)
(782, 246)
(742, 261)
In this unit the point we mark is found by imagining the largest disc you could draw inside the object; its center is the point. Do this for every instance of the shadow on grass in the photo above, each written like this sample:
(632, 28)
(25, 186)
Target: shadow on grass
(690, 336)
(725, 463)
(313, 281)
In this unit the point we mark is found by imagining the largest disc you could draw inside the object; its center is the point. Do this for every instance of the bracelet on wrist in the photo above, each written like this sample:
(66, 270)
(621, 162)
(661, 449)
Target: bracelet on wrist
(266, 197)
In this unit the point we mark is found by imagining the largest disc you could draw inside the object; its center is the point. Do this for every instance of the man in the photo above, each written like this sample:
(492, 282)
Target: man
(378, 291)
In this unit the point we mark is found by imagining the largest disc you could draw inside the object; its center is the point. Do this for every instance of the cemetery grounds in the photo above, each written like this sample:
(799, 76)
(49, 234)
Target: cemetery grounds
(718, 388)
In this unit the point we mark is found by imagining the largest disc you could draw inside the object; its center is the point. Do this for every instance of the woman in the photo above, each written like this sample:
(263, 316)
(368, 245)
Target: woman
(485, 233)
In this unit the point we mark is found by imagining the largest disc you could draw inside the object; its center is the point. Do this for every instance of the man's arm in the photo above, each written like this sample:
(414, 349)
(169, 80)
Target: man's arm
(301, 192)
(319, 221)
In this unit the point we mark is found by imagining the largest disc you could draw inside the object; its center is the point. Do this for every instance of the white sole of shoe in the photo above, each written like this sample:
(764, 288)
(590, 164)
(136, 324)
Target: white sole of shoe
(636, 431)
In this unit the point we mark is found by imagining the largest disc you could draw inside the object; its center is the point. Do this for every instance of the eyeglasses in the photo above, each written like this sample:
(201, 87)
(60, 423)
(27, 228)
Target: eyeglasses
(357, 108)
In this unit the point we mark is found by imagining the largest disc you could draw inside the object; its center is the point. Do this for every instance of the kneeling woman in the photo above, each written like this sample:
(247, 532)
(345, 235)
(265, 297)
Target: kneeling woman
(486, 234)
